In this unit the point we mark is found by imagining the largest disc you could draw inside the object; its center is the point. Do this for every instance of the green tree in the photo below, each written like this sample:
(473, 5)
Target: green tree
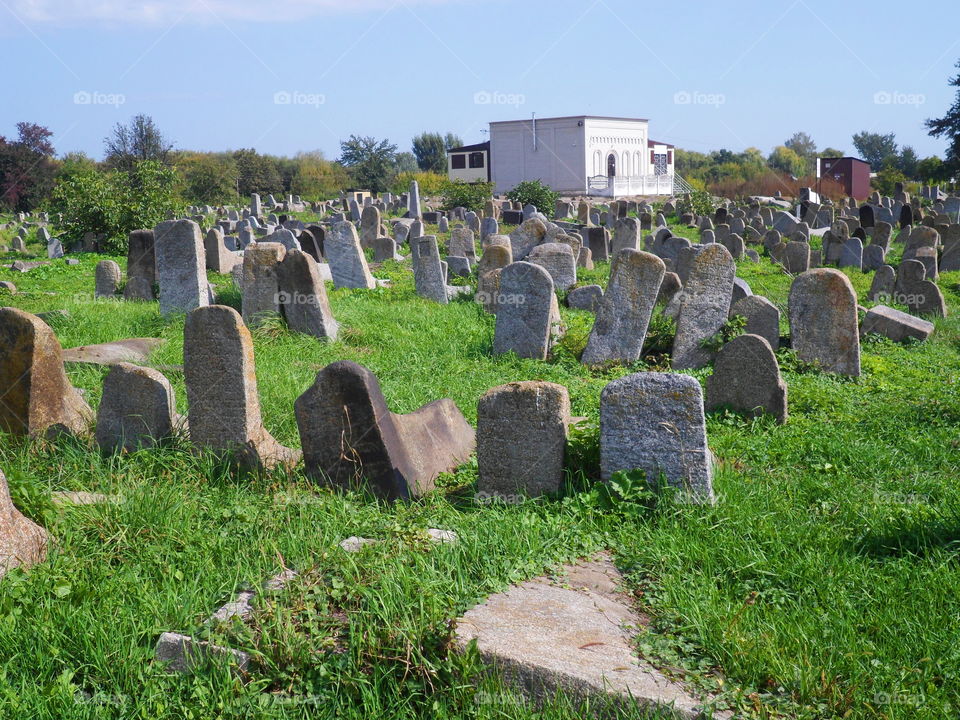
(472, 196)
(787, 160)
(317, 177)
(371, 162)
(804, 146)
(208, 178)
(450, 140)
(431, 152)
(875, 148)
(256, 173)
(886, 180)
(907, 162)
(948, 127)
(405, 163)
(932, 170)
(130, 144)
(27, 168)
(829, 152)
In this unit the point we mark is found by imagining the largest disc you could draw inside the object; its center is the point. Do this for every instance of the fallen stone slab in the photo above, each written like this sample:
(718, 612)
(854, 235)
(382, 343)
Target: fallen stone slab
(895, 324)
(573, 635)
(132, 350)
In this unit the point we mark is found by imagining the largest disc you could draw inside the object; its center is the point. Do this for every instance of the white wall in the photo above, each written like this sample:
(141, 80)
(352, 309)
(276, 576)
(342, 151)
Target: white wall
(467, 174)
(626, 138)
(558, 160)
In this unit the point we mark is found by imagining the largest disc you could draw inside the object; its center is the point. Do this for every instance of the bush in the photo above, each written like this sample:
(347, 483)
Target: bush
(431, 183)
(113, 203)
(698, 202)
(472, 196)
(534, 192)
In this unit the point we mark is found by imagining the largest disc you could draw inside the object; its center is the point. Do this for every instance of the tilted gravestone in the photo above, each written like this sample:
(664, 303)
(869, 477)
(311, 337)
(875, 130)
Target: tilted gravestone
(521, 438)
(623, 313)
(703, 306)
(348, 264)
(746, 378)
(823, 321)
(180, 266)
(920, 295)
(558, 260)
(894, 324)
(22, 542)
(762, 316)
(218, 258)
(137, 409)
(38, 399)
(654, 422)
(303, 297)
(527, 312)
(428, 275)
(884, 284)
(261, 286)
(141, 266)
(351, 440)
(461, 243)
(221, 380)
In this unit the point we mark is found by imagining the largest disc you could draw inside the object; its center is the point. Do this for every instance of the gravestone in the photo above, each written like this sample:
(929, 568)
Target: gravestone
(873, 257)
(746, 378)
(704, 305)
(527, 311)
(558, 260)
(623, 313)
(797, 257)
(884, 284)
(348, 264)
(461, 243)
(180, 266)
(217, 257)
(303, 296)
(369, 226)
(221, 381)
(351, 440)
(38, 399)
(654, 422)
(521, 438)
(261, 285)
(428, 275)
(823, 321)
(762, 316)
(851, 253)
(920, 295)
(894, 324)
(23, 543)
(585, 297)
(626, 234)
(530, 234)
(106, 279)
(137, 409)
(598, 240)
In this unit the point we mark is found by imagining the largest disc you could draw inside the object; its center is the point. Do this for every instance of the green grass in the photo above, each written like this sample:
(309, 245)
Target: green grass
(822, 584)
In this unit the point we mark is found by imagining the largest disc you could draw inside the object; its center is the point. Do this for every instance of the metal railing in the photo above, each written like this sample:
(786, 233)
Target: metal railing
(633, 185)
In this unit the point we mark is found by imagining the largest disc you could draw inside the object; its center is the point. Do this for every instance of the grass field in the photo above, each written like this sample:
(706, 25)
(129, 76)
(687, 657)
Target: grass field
(824, 583)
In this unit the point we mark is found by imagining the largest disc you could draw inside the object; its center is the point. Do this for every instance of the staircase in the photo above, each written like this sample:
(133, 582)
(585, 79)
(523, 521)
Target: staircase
(681, 186)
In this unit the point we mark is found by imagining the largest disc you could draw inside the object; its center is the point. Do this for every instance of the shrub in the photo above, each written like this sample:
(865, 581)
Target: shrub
(698, 202)
(115, 202)
(534, 192)
(472, 196)
(431, 183)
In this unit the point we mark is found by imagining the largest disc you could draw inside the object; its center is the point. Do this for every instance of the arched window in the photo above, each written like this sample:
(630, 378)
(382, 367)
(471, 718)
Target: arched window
(597, 163)
(625, 167)
(612, 165)
(637, 163)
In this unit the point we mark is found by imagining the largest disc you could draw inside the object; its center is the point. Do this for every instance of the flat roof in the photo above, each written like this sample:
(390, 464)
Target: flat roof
(573, 117)
(469, 148)
(846, 157)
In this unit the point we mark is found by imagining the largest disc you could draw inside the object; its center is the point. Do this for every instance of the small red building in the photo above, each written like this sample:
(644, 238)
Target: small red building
(853, 173)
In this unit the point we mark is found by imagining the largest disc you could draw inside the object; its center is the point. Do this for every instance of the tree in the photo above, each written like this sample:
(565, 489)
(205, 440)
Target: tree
(804, 146)
(405, 162)
(207, 178)
(907, 162)
(787, 160)
(27, 168)
(932, 170)
(130, 144)
(948, 127)
(829, 152)
(431, 152)
(534, 192)
(451, 141)
(875, 148)
(472, 196)
(886, 180)
(256, 173)
(371, 162)
(317, 177)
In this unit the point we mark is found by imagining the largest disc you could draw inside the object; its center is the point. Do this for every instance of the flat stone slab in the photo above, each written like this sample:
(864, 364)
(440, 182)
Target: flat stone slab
(133, 350)
(574, 635)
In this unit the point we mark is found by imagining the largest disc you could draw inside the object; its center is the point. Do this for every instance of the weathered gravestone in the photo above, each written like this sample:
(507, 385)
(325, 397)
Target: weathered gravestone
(527, 312)
(703, 306)
(654, 422)
(920, 295)
(762, 316)
(623, 313)
(823, 321)
(884, 284)
(521, 438)
(369, 226)
(141, 265)
(217, 257)
(746, 378)
(137, 409)
(261, 286)
(348, 264)
(428, 275)
(352, 440)
(221, 380)
(180, 266)
(106, 279)
(558, 260)
(303, 296)
(38, 399)
(22, 542)
(585, 297)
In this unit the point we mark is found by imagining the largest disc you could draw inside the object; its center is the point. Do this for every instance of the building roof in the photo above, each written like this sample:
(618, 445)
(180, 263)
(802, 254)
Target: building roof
(573, 117)
(651, 143)
(471, 148)
(846, 157)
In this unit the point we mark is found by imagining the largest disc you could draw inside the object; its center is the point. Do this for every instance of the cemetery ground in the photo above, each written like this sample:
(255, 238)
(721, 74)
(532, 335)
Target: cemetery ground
(822, 583)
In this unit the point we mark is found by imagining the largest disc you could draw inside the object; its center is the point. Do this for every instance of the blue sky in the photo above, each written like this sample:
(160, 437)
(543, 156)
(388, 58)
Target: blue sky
(296, 75)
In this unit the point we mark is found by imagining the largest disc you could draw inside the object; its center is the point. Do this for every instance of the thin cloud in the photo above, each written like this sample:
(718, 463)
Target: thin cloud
(153, 12)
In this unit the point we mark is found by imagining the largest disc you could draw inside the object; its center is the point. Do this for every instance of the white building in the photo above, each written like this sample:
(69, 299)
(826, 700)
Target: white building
(581, 155)
(470, 163)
